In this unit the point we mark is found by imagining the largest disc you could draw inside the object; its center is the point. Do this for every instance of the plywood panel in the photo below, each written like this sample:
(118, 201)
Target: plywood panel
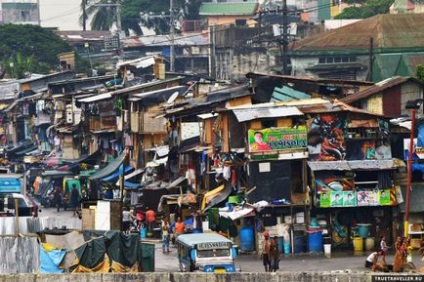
(284, 122)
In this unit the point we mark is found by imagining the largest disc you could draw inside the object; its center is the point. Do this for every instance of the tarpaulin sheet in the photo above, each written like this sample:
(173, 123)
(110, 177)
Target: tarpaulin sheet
(51, 257)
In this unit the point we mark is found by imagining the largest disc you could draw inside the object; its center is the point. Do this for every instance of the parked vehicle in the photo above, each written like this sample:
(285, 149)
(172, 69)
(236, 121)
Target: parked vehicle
(206, 252)
(26, 206)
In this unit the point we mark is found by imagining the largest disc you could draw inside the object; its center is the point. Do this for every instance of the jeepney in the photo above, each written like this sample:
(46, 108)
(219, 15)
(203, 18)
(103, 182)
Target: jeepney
(206, 252)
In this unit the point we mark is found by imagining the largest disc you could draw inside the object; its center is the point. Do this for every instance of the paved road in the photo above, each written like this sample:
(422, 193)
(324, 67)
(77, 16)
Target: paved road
(340, 261)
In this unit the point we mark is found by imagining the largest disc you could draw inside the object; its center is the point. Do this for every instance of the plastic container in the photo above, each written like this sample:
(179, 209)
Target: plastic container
(143, 233)
(299, 244)
(315, 242)
(247, 242)
(363, 230)
(287, 248)
(358, 244)
(327, 249)
(369, 244)
(281, 244)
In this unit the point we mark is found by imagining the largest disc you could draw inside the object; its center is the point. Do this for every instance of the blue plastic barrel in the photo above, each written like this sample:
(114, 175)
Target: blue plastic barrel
(363, 230)
(247, 242)
(299, 244)
(281, 244)
(143, 233)
(287, 248)
(315, 242)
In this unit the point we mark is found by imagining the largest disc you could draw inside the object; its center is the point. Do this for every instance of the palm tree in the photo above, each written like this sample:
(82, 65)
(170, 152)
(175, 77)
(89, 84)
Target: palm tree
(103, 14)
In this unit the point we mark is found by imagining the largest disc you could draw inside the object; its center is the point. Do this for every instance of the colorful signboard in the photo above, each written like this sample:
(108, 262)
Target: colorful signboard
(273, 139)
(330, 199)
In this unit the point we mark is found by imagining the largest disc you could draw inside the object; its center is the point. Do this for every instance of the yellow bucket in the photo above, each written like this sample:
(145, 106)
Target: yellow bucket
(358, 244)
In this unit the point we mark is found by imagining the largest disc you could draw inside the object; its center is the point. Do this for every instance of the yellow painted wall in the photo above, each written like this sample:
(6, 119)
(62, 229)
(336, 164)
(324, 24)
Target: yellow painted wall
(375, 104)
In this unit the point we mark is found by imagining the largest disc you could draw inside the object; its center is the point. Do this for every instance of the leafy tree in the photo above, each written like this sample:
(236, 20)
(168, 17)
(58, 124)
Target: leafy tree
(156, 14)
(362, 9)
(29, 48)
(419, 72)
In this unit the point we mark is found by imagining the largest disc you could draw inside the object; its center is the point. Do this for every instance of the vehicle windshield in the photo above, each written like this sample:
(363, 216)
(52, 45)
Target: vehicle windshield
(213, 253)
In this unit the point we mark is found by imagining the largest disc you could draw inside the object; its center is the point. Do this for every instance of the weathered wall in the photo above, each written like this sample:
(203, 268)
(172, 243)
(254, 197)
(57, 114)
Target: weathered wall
(29, 225)
(199, 277)
(19, 255)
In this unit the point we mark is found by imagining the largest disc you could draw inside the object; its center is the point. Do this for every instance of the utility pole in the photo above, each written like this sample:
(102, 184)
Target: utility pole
(371, 59)
(84, 15)
(285, 38)
(172, 43)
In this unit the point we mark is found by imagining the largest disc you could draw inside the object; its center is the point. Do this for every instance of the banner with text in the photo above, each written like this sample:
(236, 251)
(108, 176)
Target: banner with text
(273, 139)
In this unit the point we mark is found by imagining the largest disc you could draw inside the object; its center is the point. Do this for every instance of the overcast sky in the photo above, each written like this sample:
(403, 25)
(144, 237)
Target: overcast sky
(63, 14)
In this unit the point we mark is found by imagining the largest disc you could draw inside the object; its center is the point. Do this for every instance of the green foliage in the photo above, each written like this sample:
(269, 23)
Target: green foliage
(419, 72)
(365, 9)
(29, 48)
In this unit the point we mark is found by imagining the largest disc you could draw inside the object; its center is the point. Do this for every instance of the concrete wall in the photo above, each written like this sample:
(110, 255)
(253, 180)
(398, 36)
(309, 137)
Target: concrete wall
(201, 277)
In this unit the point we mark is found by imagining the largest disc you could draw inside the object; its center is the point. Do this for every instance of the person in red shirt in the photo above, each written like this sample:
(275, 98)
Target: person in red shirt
(259, 144)
(150, 218)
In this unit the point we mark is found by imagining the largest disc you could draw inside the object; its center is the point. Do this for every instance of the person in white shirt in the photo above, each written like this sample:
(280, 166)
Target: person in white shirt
(372, 259)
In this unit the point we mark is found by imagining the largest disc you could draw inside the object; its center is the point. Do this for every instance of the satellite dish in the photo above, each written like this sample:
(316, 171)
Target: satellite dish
(173, 97)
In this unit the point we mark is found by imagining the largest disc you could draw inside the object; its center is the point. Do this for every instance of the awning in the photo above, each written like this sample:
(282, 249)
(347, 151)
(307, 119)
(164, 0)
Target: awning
(117, 173)
(177, 199)
(246, 114)
(158, 162)
(96, 98)
(110, 168)
(176, 182)
(132, 185)
(238, 213)
(216, 196)
(134, 173)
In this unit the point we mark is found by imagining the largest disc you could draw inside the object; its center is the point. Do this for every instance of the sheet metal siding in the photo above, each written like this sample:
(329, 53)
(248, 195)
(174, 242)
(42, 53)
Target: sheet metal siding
(19, 255)
(392, 102)
(29, 225)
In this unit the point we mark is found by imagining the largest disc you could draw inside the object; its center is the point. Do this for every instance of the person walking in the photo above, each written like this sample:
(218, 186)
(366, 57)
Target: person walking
(274, 254)
(266, 246)
(58, 198)
(75, 198)
(384, 248)
(165, 235)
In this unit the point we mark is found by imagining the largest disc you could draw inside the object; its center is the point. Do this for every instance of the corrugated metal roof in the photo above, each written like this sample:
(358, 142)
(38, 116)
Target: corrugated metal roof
(228, 9)
(164, 40)
(353, 165)
(96, 98)
(388, 31)
(286, 93)
(269, 112)
(377, 88)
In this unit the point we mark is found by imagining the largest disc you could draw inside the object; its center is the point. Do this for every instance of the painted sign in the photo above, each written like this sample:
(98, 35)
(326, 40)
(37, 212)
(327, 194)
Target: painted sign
(281, 138)
(10, 185)
(326, 138)
(213, 245)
